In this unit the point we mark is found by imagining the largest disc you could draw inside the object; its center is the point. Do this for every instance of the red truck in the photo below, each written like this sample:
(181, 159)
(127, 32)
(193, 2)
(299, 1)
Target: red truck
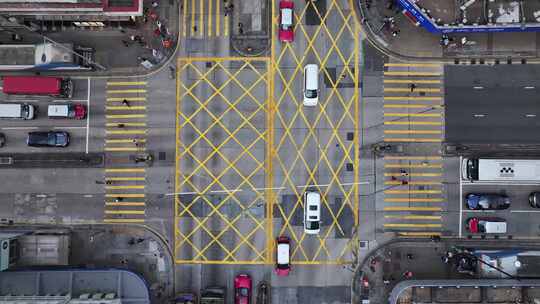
(34, 85)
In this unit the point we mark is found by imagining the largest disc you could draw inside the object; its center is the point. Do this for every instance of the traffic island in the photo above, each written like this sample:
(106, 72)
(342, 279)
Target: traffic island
(250, 28)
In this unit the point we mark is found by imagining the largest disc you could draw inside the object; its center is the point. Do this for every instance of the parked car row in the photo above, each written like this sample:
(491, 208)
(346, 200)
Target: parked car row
(28, 111)
(492, 201)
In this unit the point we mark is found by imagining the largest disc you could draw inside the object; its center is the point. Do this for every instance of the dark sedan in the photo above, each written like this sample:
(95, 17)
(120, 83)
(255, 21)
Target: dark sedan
(48, 139)
(483, 201)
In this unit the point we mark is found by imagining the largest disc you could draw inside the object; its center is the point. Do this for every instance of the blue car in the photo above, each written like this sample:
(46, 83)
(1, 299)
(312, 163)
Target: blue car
(477, 201)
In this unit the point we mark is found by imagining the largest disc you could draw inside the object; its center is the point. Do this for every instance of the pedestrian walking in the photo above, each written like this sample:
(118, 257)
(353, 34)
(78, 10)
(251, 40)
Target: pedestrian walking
(393, 178)
(108, 182)
(126, 44)
(408, 274)
(240, 28)
(395, 33)
(118, 199)
(125, 102)
(404, 182)
(403, 172)
(155, 4)
(412, 86)
(121, 125)
(410, 256)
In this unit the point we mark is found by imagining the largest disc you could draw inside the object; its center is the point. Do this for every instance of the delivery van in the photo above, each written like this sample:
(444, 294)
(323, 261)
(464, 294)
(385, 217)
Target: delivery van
(66, 111)
(16, 111)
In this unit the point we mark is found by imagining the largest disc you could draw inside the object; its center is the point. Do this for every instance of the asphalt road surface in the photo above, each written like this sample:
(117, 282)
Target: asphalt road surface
(492, 104)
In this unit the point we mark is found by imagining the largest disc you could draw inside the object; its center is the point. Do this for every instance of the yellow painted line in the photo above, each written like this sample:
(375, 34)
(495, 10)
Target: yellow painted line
(434, 209)
(209, 23)
(126, 98)
(420, 234)
(221, 59)
(412, 158)
(118, 179)
(125, 187)
(201, 18)
(192, 26)
(426, 90)
(414, 183)
(426, 123)
(389, 64)
(413, 200)
(125, 116)
(412, 131)
(124, 195)
(415, 174)
(125, 131)
(412, 192)
(414, 217)
(411, 81)
(125, 83)
(126, 91)
(411, 73)
(123, 149)
(395, 225)
(224, 262)
(123, 221)
(125, 108)
(413, 166)
(226, 25)
(408, 98)
(125, 204)
(124, 212)
(218, 24)
(142, 170)
(126, 124)
(120, 141)
(412, 114)
(412, 140)
(410, 106)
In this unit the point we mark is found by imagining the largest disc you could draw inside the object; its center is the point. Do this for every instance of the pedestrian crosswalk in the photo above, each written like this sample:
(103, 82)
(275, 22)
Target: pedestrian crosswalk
(414, 199)
(413, 108)
(205, 18)
(125, 152)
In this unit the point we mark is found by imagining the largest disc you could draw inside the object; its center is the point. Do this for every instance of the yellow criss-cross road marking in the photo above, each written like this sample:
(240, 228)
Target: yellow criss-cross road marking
(412, 192)
(125, 108)
(412, 131)
(413, 200)
(125, 170)
(404, 139)
(125, 204)
(408, 225)
(123, 221)
(125, 187)
(406, 209)
(414, 217)
(126, 83)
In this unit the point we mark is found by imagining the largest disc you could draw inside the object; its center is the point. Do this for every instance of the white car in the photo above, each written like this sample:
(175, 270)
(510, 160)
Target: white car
(312, 212)
(311, 85)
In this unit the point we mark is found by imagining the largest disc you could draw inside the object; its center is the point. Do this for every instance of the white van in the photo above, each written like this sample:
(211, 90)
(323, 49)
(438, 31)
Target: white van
(312, 212)
(16, 111)
(311, 85)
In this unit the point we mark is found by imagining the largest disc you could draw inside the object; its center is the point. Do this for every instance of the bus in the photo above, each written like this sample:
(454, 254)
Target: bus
(34, 85)
(45, 57)
(505, 170)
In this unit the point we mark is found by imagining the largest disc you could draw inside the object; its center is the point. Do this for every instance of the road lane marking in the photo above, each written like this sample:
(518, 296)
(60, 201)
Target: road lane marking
(119, 179)
(401, 209)
(427, 123)
(407, 225)
(125, 108)
(126, 124)
(412, 191)
(419, 234)
(413, 157)
(119, 141)
(412, 114)
(414, 217)
(130, 195)
(409, 98)
(412, 131)
(437, 166)
(409, 81)
(123, 149)
(69, 128)
(413, 200)
(415, 183)
(125, 83)
(119, 132)
(129, 99)
(125, 116)
(70, 100)
(405, 139)
(414, 174)
(125, 187)
(126, 91)
(125, 170)
(20, 128)
(123, 221)
(411, 73)
(410, 106)
(434, 65)
(425, 90)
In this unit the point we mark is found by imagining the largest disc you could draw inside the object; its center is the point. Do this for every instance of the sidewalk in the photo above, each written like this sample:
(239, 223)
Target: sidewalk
(155, 33)
(250, 28)
(395, 35)
(388, 265)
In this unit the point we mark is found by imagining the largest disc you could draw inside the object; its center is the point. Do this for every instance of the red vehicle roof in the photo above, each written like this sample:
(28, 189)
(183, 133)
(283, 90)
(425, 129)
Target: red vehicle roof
(32, 85)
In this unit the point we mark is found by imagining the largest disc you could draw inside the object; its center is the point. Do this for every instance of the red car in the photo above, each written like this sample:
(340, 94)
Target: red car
(242, 289)
(283, 265)
(286, 15)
